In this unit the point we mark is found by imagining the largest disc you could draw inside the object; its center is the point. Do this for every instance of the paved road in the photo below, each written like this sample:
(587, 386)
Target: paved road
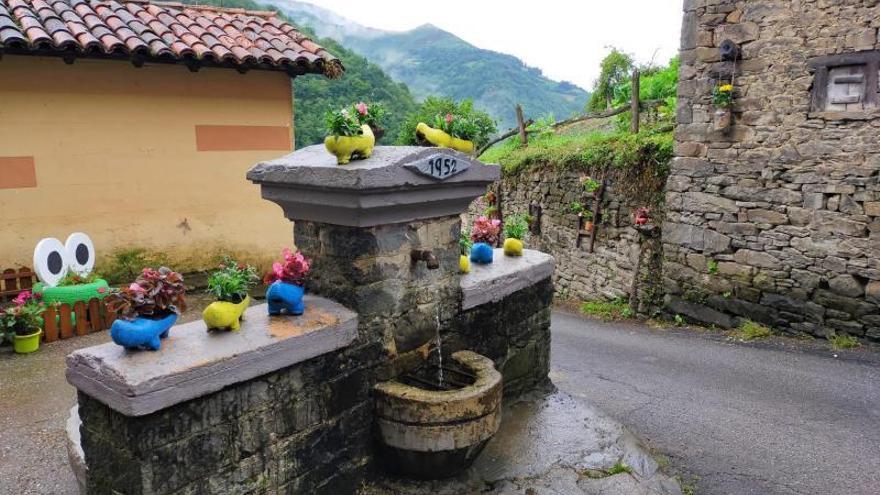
(743, 419)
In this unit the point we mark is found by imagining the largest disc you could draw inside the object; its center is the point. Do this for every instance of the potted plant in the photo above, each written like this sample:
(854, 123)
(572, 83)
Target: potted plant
(722, 99)
(22, 322)
(485, 235)
(450, 131)
(348, 139)
(229, 284)
(286, 281)
(590, 185)
(464, 243)
(147, 308)
(371, 115)
(642, 216)
(515, 229)
(587, 217)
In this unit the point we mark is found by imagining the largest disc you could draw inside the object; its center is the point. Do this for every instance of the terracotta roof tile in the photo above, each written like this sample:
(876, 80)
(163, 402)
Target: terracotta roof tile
(163, 31)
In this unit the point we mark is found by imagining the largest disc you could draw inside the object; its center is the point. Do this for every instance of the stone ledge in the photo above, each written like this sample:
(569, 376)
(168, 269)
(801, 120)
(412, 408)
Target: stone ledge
(194, 362)
(504, 276)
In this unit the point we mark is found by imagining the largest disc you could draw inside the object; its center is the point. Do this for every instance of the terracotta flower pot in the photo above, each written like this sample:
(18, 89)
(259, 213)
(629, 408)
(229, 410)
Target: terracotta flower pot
(723, 119)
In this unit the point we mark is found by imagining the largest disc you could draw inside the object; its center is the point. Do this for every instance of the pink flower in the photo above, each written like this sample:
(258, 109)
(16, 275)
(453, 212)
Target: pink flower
(361, 108)
(449, 118)
(135, 287)
(22, 298)
(102, 290)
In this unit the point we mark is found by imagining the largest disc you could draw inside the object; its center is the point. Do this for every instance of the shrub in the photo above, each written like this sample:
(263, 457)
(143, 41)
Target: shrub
(293, 270)
(486, 230)
(232, 280)
(516, 226)
(750, 330)
(617, 309)
(466, 123)
(843, 341)
(153, 293)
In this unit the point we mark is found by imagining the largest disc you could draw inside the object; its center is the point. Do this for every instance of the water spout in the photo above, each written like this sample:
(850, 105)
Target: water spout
(427, 256)
(439, 349)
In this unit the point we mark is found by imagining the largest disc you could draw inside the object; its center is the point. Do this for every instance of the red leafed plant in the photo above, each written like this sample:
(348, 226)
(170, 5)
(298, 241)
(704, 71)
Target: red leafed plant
(155, 293)
(293, 270)
(486, 230)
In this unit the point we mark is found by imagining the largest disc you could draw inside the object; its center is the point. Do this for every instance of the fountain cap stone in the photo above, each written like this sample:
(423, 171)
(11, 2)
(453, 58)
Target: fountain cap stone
(397, 184)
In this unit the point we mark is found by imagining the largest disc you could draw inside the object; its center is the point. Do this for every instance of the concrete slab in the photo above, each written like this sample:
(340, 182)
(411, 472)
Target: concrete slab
(383, 189)
(504, 276)
(194, 362)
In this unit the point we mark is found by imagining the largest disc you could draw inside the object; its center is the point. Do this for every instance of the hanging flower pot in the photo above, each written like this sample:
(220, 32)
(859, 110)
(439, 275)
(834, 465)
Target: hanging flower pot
(285, 294)
(722, 98)
(723, 119)
(588, 225)
(443, 139)
(147, 309)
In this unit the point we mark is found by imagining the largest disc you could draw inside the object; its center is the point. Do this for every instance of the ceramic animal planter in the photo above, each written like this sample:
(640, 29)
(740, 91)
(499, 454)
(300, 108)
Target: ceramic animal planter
(347, 148)
(443, 140)
(513, 247)
(481, 253)
(464, 264)
(142, 332)
(285, 297)
(223, 314)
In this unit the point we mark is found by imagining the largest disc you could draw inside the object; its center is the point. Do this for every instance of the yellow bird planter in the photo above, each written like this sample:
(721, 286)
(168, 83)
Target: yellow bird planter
(464, 264)
(222, 314)
(444, 140)
(513, 247)
(346, 148)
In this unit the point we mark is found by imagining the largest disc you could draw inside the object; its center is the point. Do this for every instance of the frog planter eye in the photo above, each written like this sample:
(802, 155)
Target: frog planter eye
(53, 260)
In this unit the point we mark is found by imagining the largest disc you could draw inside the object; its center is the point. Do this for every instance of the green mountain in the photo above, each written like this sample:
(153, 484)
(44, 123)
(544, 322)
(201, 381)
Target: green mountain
(431, 61)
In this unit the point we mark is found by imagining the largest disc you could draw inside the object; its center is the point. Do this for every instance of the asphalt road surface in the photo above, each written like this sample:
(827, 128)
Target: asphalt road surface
(778, 417)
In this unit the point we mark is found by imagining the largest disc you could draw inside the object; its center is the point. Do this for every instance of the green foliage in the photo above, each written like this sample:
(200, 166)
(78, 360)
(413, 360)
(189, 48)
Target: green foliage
(578, 208)
(465, 242)
(712, 266)
(679, 320)
(616, 67)
(655, 83)
(590, 184)
(476, 124)
(76, 279)
(125, 265)
(232, 280)
(843, 341)
(617, 309)
(750, 330)
(619, 467)
(722, 95)
(23, 316)
(516, 226)
(344, 122)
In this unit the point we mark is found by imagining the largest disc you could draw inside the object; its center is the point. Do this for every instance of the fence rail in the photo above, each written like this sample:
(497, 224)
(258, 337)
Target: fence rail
(13, 282)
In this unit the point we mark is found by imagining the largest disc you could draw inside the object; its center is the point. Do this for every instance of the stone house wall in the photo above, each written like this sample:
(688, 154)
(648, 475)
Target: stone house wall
(778, 219)
(619, 250)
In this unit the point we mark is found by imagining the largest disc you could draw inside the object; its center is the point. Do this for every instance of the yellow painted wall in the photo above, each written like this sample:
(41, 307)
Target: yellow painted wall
(115, 153)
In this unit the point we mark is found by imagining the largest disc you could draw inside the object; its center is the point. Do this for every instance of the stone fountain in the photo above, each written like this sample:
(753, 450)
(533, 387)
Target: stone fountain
(311, 403)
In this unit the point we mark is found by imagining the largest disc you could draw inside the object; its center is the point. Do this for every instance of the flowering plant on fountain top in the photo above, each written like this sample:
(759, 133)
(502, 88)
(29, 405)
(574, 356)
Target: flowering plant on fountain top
(484, 234)
(515, 229)
(229, 284)
(22, 320)
(147, 308)
(351, 136)
(286, 283)
(450, 131)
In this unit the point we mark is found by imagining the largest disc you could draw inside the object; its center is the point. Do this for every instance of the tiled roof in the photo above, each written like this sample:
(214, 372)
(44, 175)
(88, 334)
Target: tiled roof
(143, 31)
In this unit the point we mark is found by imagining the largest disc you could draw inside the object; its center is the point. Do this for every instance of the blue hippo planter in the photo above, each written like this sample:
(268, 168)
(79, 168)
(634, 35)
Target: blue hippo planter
(142, 333)
(286, 297)
(481, 253)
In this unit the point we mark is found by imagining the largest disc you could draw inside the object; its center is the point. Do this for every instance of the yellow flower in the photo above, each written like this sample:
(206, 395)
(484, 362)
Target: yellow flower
(726, 88)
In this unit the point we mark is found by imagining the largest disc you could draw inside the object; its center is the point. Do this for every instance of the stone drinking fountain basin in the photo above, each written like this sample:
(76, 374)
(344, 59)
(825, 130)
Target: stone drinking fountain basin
(430, 429)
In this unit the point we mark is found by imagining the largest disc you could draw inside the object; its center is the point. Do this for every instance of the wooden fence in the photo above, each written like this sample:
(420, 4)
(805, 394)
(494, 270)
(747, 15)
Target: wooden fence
(61, 321)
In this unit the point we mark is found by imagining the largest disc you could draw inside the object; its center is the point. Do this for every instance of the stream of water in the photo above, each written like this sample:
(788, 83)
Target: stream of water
(439, 349)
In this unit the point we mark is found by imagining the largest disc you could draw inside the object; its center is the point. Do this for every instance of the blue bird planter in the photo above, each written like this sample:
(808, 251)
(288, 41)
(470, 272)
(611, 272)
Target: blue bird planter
(282, 296)
(481, 253)
(142, 333)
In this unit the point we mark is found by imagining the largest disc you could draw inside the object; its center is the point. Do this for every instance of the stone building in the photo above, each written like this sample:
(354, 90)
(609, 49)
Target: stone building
(777, 218)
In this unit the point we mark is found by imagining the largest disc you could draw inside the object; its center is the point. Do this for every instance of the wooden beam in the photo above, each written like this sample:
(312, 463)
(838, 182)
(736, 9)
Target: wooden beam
(520, 124)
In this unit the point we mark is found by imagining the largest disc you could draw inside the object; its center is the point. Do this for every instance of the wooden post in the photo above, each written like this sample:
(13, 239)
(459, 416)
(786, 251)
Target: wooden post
(634, 103)
(520, 124)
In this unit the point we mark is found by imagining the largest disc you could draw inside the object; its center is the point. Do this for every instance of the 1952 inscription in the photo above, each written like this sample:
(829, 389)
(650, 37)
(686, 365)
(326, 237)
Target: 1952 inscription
(439, 166)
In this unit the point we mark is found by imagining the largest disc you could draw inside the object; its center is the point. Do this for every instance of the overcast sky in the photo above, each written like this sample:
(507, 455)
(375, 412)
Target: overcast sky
(564, 38)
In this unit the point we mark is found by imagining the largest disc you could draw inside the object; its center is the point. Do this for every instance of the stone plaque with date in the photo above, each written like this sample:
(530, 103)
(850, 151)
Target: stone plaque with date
(440, 166)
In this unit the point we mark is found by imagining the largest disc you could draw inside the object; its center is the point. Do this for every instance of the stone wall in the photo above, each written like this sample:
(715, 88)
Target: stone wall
(777, 219)
(620, 251)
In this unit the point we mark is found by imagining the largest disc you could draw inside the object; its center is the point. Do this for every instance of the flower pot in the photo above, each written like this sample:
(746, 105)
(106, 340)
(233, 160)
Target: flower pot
(464, 264)
(26, 344)
(347, 148)
(378, 132)
(142, 332)
(72, 294)
(443, 140)
(513, 247)
(224, 314)
(285, 297)
(481, 253)
(588, 226)
(723, 119)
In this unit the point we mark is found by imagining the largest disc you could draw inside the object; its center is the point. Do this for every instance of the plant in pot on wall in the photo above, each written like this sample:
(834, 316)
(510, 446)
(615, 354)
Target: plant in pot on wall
(371, 115)
(484, 234)
(450, 131)
(465, 243)
(515, 229)
(349, 139)
(147, 308)
(229, 284)
(722, 100)
(286, 281)
(22, 322)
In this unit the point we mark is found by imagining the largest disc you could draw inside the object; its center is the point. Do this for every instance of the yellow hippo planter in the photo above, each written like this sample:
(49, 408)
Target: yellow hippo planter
(222, 314)
(443, 140)
(346, 148)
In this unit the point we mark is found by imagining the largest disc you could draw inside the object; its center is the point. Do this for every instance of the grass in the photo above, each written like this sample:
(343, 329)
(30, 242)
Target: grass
(843, 341)
(618, 468)
(750, 330)
(617, 309)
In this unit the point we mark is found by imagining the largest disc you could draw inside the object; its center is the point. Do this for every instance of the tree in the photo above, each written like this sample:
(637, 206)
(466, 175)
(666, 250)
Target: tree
(616, 69)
